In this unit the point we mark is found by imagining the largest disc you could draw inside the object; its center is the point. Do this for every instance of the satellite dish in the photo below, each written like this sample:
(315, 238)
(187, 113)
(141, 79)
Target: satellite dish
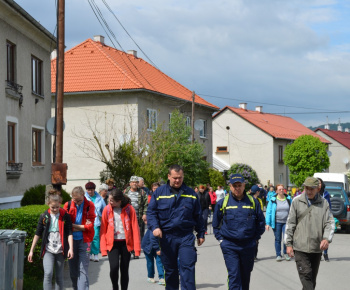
(346, 160)
(199, 125)
(329, 153)
(50, 126)
(125, 138)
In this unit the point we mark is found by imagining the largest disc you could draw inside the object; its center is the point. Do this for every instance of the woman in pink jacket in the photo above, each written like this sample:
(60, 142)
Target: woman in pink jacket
(120, 234)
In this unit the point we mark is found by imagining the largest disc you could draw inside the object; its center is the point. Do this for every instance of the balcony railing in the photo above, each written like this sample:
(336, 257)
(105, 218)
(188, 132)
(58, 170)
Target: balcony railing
(13, 170)
(16, 87)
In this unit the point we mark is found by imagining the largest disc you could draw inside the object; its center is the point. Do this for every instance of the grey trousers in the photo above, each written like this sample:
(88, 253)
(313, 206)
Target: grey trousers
(50, 260)
(79, 265)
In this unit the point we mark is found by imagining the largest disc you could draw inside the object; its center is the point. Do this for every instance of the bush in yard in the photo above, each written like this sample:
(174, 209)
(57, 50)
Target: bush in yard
(247, 172)
(216, 178)
(26, 219)
(36, 195)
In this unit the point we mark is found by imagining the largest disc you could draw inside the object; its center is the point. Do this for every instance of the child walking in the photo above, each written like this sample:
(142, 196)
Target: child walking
(120, 234)
(55, 228)
(150, 246)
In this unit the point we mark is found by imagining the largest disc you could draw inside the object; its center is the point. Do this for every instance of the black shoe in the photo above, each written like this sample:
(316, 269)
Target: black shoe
(326, 257)
(136, 257)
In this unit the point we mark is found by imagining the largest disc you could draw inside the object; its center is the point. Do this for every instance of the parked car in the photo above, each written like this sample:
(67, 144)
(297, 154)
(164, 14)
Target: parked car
(340, 206)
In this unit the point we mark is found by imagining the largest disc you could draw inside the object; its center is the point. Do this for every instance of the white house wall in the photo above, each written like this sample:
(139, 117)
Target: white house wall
(29, 41)
(339, 154)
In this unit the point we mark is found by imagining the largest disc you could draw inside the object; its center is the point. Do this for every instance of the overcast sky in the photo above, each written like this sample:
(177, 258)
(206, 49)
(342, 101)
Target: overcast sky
(292, 57)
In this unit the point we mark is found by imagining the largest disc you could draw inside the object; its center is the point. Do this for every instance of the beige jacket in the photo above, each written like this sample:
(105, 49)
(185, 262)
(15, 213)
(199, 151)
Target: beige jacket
(316, 226)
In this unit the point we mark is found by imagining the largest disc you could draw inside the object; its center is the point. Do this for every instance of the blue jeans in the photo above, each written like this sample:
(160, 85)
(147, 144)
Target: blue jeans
(205, 213)
(79, 265)
(279, 232)
(150, 264)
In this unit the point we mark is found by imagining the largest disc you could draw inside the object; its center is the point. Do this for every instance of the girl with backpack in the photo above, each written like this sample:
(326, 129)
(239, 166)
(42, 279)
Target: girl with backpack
(55, 228)
(120, 234)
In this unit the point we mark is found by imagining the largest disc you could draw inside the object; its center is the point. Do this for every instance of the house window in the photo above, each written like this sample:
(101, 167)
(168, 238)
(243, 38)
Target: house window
(152, 119)
(203, 130)
(37, 146)
(10, 62)
(37, 65)
(221, 149)
(11, 142)
(188, 121)
(280, 154)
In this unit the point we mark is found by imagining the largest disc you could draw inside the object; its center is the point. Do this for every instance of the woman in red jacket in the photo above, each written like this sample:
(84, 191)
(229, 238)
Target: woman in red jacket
(82, 214)
(120, 234)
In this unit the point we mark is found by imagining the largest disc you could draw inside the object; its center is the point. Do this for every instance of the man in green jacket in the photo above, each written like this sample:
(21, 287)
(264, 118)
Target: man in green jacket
(309, 230)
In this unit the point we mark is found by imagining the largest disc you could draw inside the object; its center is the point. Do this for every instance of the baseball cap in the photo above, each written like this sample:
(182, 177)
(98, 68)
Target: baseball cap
(311, 182)
(134, 178)
(236, 178)
(254, 189)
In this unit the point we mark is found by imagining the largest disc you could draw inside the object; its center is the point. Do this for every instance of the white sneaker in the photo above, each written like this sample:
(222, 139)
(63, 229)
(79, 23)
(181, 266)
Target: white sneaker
(151, 280)
(91, 257)
(96, 258)
(286, 257)
(279, 259)
(161, 282)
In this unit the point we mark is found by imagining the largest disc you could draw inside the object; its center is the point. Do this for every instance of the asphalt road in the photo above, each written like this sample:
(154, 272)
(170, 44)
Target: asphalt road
(211, 271)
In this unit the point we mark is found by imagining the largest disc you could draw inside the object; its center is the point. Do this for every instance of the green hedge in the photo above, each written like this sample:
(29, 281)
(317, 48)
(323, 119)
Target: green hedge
(26, 219)
(36, 195)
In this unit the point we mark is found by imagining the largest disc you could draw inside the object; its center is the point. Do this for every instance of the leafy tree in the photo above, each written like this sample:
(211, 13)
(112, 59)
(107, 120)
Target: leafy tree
(216, 178)
(247, 172)
(122, 166)
(305, 156)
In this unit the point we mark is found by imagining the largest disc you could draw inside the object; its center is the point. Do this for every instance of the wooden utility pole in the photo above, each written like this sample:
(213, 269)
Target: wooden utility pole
(60, 81)
(192, 118)
(59, 169)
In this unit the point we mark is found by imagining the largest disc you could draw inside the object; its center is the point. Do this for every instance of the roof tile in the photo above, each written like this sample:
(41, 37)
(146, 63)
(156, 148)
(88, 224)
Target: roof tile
(93, 66)
(341, 137)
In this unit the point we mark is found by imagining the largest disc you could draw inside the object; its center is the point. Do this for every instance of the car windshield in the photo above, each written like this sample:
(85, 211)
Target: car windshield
(333, 183)
(336, 192)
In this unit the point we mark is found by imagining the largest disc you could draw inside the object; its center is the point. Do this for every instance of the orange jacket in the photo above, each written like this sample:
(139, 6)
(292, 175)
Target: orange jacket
(88, 215)
(131, 229)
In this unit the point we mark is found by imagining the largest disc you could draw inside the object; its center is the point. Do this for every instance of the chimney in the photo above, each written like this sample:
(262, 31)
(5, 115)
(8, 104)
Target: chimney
(132, 52)
(99, 38)
(326, 126)
(340, 129)
(54, 54)
(346, 130)
(243, 106)
(258, 109)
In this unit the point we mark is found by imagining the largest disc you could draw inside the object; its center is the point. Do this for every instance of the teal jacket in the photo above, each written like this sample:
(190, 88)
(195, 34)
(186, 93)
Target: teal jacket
(271, 210)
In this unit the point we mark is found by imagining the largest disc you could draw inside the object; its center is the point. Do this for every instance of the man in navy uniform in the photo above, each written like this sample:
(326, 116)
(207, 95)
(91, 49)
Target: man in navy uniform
(173, 212)
(238, 224)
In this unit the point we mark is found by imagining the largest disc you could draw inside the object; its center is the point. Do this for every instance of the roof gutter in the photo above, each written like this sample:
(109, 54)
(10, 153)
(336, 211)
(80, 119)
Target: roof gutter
(136, 90)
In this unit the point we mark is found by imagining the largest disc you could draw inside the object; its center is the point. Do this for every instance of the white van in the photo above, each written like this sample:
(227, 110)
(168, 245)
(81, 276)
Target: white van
(334, 179)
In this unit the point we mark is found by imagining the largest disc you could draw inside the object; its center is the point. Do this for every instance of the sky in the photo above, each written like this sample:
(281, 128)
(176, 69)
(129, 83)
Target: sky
(292, 57)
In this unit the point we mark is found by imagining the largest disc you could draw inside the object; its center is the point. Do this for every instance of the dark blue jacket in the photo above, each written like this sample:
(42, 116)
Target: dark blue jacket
(241, 223)
(176, 215)
(149, 242)
(327, 197)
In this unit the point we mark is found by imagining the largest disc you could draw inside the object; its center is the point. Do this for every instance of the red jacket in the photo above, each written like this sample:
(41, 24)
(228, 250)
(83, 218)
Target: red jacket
(88, 234)
(131, 229)
(212, 197)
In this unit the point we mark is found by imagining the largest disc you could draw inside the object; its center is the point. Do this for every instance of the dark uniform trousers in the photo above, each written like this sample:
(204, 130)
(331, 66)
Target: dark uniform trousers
(239, 262)
(183, 247)
(307, 266)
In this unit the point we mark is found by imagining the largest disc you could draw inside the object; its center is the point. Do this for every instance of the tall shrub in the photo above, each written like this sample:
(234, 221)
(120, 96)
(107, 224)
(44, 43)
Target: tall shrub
(247, 172)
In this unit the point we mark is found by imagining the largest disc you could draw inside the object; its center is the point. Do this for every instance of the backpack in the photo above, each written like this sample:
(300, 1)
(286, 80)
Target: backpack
(70, 202)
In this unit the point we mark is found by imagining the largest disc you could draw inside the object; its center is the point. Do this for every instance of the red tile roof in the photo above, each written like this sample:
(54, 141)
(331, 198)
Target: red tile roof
(275, 125)
(93, 66)
(341, 137)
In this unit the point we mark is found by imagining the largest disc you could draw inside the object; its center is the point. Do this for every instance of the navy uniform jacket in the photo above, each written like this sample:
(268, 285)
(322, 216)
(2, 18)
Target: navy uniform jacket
(175, 214)
(241, 223)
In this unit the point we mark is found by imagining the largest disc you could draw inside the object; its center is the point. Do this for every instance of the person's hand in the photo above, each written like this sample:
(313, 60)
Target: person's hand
(324, 245)
(158, 253)
(157, 233)
(88, 222)
(144, 218)
(290, 252)
(30, 257)
(200, 241)
(267, 227)
(70, 254)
